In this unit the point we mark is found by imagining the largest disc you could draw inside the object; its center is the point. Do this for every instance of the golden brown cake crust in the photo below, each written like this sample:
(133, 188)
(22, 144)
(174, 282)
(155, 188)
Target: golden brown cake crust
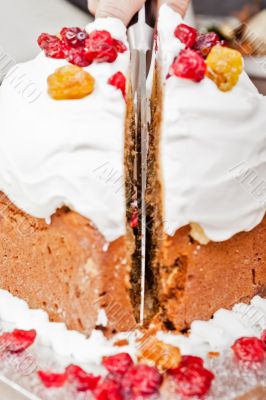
(65, 268)
(197, 280)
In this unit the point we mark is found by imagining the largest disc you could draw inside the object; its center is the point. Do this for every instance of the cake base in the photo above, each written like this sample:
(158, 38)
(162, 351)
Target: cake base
(66, 268)
(197, 280)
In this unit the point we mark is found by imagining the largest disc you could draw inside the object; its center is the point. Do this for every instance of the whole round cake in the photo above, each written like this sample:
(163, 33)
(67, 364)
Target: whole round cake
(71, 222)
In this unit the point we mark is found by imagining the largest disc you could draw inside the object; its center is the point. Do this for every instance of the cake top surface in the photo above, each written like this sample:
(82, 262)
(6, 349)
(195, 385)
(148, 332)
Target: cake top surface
(67, 152)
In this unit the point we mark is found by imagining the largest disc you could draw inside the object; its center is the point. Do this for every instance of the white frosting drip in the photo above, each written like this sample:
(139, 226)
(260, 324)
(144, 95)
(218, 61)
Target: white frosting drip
(206, 136)
(216, 334)
(56, 153)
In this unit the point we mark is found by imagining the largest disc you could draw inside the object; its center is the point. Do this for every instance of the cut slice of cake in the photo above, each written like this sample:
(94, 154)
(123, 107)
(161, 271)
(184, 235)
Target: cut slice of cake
(206, 189)
(66, 176)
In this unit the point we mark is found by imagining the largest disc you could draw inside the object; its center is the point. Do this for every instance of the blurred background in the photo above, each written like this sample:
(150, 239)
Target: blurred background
(241, 23)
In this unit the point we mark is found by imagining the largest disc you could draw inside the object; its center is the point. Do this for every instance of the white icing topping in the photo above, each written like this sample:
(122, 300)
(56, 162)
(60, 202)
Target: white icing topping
(56, 153)
(217, 334)
(213, 149)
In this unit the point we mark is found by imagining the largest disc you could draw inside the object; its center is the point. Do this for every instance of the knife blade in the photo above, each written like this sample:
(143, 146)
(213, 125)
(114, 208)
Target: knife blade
(141, 39)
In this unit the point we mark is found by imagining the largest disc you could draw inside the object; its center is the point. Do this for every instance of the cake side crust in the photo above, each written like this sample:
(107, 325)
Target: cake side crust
(66, 268)
(197, 280)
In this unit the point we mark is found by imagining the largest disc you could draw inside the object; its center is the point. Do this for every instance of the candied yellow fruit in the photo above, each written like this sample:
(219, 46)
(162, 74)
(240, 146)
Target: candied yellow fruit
(70, 82)
(224, 66)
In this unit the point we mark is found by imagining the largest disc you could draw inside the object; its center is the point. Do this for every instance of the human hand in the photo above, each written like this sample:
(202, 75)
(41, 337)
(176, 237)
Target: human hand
(122, 9)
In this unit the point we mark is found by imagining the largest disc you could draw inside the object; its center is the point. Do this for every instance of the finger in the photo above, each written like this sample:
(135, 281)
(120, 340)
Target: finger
(92, 6)
(179, 6)
(122, 9)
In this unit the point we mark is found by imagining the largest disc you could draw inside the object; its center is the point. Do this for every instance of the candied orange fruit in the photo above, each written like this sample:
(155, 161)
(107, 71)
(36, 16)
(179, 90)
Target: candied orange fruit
(224, 66)
(156, 353)
(70, 82)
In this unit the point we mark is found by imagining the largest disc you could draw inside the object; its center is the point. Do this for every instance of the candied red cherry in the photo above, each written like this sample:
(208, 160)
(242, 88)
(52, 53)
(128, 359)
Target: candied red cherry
(74, 37)
(142, 380)
(118, 364)
(52, 46)
(81, 379)
(249, 349)
(186, 34)
(44, 40)
(109, 389)
(189, 65)
(186, 361)
(191, 360)
(18, 340)
(192, 379)
(205, 42)
(99, 47)
(263, 338)
(77, 57)
(134, 219)
(50, 379)
(120, 46)
(119, 81)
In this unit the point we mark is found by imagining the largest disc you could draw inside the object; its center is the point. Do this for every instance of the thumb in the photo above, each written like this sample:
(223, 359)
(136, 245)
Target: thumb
(122, 9)
(180, 6)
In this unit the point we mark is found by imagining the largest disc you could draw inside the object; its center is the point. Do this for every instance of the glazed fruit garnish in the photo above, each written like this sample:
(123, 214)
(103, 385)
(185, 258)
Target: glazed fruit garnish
(249, 349)
(205, 42)
(17, 341)
(52, 46)
(186, 34)
(100, 47)
(134, 219)
(70, 82)
(44, 40)
(159, 354)
(224, 67)
(120, 47)
(263, 338)
(141, 380)
(191, 377)
(77, 57)
(189, 65)
(73, 37)
(51, 380)
(80, 48)
(191, 360)
(81, 379)
(118, 364)
(119, 81)
(109, 389)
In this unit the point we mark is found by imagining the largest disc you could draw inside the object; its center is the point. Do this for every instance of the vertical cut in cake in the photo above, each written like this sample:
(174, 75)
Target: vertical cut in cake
(66, 178)
(206, 184)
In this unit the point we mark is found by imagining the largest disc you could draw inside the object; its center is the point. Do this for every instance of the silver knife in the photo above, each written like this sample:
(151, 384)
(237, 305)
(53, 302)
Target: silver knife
(141, 41)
